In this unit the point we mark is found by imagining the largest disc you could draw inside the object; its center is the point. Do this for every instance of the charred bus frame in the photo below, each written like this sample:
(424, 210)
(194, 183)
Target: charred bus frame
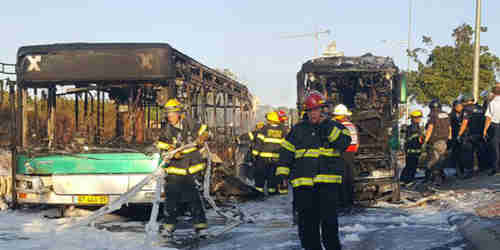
(137, 79)
(369, 86)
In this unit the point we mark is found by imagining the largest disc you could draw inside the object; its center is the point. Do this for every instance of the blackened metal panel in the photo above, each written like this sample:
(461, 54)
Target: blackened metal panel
(367, 62)
(95, 62)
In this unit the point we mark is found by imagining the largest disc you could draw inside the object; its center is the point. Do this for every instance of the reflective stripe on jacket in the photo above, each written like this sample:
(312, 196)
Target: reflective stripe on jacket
(353, 147)
(172, 170)
(268, 141)
(312, 152)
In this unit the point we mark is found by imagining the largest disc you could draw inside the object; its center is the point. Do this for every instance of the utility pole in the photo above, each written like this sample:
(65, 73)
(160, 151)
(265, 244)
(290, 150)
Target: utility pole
(477, 45)
(409, 35)
(407, 108)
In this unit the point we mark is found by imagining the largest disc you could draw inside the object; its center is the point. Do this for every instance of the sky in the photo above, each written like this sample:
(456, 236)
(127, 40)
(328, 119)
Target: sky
(246, 36)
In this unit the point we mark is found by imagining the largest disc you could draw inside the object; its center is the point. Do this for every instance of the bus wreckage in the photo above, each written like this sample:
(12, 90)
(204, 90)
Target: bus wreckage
(86, 117)
(369, 87)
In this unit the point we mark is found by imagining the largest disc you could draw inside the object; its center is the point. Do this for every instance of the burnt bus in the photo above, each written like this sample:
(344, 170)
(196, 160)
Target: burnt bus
(87, 115)
(369, 87)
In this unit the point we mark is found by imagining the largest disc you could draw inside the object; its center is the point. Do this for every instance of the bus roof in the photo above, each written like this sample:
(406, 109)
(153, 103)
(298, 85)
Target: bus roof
(365, 63)
(84, 62)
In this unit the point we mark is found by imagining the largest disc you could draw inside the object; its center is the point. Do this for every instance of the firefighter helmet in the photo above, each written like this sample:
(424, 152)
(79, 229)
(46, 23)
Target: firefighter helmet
(416, 113)
(467, 97)
(341, 109)
(173, 105)
(434, 104)
(314, 100)
(273, 117)
(282, 115)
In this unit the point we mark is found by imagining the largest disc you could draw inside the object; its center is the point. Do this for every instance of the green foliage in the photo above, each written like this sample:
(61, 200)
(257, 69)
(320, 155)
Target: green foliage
(448, 70)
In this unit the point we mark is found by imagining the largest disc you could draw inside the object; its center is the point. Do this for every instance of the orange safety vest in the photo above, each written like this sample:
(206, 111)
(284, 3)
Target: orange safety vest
(354, 137)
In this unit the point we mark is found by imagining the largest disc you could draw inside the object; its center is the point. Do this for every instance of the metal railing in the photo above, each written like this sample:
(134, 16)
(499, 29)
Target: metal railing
(8, 69)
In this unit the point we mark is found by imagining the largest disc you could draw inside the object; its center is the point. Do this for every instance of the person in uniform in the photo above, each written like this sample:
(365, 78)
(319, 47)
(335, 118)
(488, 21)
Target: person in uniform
(248, 165)
(456, 122)
(180, 188)
(283, 183)
(434, 147)
(492, 130)
(412, 147)
(471, 136)
(267, 145)
(341, 114)
(311, 157)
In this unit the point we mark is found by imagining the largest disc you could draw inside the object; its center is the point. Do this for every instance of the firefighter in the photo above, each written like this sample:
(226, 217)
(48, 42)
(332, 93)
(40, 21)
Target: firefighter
(282, 116)
(283, 184)
(310, 155)
(471, 136)
(341, 114)
(249, 159)
(283, 119)
(267, 144)
(434, 147)
(456, 122)
(180, 188)
(412, 147)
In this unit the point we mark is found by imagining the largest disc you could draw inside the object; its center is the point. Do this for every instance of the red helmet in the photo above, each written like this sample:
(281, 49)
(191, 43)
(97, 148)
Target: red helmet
(314, 100)
(282, 115)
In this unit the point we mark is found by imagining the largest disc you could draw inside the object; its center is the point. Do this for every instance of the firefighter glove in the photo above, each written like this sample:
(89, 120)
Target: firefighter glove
(178, 155)
(423, 156)
(202, 139)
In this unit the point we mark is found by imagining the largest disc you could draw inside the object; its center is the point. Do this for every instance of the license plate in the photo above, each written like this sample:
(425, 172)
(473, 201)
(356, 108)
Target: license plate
(92, 199)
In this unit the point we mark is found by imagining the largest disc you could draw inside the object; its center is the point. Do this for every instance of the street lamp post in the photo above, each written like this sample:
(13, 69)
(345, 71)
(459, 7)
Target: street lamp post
(477, 44)
(409, 35)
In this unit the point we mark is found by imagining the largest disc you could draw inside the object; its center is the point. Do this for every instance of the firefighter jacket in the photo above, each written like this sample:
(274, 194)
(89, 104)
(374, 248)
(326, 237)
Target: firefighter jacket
(267, 142)
(353, 147)
(311, 153)
(413, 135)
(474, 114)
(172, 137)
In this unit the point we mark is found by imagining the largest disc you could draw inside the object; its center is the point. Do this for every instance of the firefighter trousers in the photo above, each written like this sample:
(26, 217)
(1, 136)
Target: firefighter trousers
(182, 196)
(182, 193)
(436, 162)
(317, 216)
(265, 172)
(408, 174)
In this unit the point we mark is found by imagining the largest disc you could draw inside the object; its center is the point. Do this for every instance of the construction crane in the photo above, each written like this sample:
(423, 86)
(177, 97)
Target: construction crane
(316, 35)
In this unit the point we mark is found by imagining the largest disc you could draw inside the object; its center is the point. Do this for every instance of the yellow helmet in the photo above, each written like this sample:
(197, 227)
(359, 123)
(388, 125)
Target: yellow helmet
(341, 110)
(173, 105)
(273, 117)
(416, 113)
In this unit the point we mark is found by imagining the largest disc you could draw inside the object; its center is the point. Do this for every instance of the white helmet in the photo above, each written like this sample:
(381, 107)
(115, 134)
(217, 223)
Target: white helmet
(341, 109)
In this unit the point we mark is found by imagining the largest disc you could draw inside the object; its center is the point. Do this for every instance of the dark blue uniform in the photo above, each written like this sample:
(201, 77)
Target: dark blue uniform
(473, 142)
(456, 119)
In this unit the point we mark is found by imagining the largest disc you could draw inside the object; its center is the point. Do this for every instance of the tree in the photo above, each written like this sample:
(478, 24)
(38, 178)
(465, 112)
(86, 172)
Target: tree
(447, 70)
